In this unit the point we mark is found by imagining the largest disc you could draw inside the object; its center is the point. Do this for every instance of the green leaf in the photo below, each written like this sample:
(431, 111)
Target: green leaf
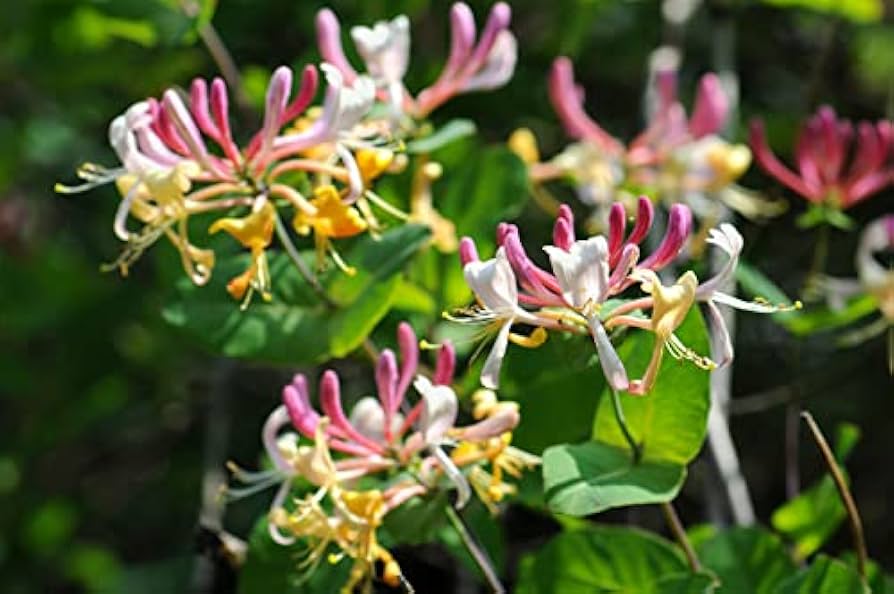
(746, 559)
(271, 567)
(812, 517)
(825, 318)
(417, 521)
(608, 559)
(449, 132)
(671, 421)
(296, 327)
(557, 385)
(824, 576)
(860, 11)
(588, 478)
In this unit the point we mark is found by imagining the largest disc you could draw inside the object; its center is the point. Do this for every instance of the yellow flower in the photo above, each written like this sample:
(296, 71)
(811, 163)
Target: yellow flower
(728, 161)
(373, 162)
(523, 143)
(333, 220)
(670, 305)
(255, 232)
(422, 209)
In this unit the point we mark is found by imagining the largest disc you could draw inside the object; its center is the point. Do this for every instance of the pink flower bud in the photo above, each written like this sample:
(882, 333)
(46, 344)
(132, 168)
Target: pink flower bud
(617, 226)
(386, 382)
(710, 109)
(446, 364)
(297, 400)
(409, 356)
(467, 251)
(329, 43)
(679, 225)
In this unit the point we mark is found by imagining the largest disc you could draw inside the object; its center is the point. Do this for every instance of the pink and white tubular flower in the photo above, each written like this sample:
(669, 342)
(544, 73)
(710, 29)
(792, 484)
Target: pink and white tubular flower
(384, 48)
(381, 433)
(511, 289)
(837, 165)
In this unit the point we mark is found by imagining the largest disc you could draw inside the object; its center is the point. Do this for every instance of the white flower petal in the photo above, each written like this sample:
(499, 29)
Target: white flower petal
(612, 366)
(490, 373)
(438, 411)
(582, 271)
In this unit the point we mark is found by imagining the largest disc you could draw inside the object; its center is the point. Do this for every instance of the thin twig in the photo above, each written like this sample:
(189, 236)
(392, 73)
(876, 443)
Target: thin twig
(283, 235)
(475, 549)
(636, 449)
(843, 491)
(218, 51)
(679, 532)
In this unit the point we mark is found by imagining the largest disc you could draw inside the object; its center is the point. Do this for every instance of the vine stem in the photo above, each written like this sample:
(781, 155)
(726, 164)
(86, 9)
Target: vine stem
(283, 235)
(475, 549)
(676, 527)
(636, 448)
(844, 492)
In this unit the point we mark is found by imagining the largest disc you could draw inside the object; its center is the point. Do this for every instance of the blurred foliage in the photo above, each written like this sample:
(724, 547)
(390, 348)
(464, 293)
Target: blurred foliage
(102, 402)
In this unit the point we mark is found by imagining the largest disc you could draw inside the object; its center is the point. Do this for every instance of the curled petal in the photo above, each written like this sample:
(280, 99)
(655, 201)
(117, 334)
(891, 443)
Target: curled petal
(296, 399)
(727, 238)
(499, 66)
(506, 419)
(721, 343)
(490, 373)
(773, 166)
(438, 411)
(612, 366)
(278, 419)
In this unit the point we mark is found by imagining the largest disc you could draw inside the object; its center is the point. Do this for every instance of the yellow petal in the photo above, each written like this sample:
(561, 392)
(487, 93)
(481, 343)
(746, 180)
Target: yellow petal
(252, 231)
(333, 218)
(523, 143)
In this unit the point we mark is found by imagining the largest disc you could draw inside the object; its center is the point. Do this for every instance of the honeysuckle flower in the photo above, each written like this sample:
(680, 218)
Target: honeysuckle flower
(170, 171)
(826, 176)
(383, 434)
(385, 47)
(255, 232)
(510, 289)
(678, 159)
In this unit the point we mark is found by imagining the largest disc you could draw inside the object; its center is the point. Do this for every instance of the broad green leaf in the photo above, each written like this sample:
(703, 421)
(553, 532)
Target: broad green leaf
(860, 11)
(746, 559)
(271, 567)
(557, 386)
(670, 422)
(608, 559)
(449, 132)
(812, 517)
(879, 581)
(824, 576)
(587, 478)
(296, 327)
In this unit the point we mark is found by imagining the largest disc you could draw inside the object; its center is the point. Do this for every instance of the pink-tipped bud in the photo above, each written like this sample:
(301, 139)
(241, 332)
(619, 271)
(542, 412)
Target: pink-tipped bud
(467, 251)
(446, 364)
(185, 125)
(710, 109)
(220, 110)
(310, 80)
(330, 402)
(563, 235)
(386, 382)
(409, 356)
(617, 225)
(504, 229)
(198, 103)
(567, 100)
(329, 43)
(498, 20)
(679, 226)
(645, 214)
(297, 400)
(462, 37)
(526, 272)
(757, 139)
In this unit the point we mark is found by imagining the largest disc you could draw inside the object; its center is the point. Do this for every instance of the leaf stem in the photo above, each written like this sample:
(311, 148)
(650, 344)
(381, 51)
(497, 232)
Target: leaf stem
(475, 550)
(283, 235)
(676, 527)
(635, 448)
(843, 491)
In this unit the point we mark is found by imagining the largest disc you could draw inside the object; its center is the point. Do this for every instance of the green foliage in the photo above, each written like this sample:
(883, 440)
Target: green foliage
(608, 559)
(824, 576)
(273, 331)
(812, 517)
(746, 560)
(591, 477)
(669, 424)
(859, 11)
(449, 132)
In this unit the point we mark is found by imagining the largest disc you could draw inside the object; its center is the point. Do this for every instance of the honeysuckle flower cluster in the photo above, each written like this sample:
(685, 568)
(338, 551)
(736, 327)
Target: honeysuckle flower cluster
(474, 64)
(675, 159)
(412, 449)
(581, 294)
(873, 278)
(839, 165)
